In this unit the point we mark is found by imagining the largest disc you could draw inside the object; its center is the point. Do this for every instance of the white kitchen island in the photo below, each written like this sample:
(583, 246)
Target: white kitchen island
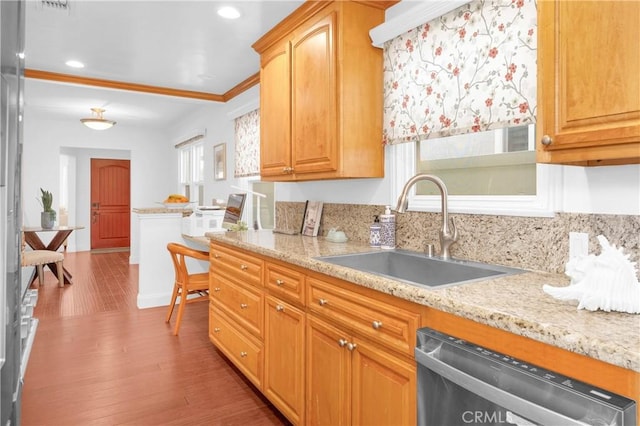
(152, 231)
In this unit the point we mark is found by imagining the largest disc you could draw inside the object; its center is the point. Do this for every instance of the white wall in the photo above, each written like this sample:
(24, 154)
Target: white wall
(153, 169)
(218, 120)
(602, 190)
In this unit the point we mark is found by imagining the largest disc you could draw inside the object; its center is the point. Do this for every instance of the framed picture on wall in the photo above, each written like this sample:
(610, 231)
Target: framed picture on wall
(220, 161)
(312, 216)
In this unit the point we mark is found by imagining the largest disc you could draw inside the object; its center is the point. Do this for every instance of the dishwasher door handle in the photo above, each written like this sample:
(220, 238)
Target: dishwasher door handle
(491, 393)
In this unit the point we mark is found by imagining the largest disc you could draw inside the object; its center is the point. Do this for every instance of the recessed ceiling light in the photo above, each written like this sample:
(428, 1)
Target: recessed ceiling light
(229, 12)
(74, 64)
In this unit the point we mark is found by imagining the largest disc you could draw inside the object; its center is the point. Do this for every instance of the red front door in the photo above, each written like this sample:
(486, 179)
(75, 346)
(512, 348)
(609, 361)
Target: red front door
(110, 203)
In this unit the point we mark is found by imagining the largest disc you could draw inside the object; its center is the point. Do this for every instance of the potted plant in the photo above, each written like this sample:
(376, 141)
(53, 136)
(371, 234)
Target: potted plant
(48, 215)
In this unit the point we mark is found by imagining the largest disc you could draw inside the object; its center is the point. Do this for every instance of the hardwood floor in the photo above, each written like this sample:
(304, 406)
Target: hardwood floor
(98, 360)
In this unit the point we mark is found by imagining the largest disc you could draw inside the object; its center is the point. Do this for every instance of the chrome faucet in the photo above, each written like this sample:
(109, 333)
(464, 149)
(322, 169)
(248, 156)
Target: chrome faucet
(447, 237)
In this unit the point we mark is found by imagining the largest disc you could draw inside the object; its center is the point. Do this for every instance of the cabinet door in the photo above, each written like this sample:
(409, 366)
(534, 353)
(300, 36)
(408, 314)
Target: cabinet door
(383, 387)
(328, 375)
(244, 351)
(275, 118)
(284, 358)
(314, 137)
(588, 85)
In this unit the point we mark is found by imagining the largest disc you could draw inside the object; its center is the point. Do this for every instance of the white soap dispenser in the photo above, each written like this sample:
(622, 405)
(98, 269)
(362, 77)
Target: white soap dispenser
(374, 232)
(387, 229)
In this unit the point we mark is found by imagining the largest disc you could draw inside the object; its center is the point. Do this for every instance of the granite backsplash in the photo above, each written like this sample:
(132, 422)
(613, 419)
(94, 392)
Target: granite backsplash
(534, 243)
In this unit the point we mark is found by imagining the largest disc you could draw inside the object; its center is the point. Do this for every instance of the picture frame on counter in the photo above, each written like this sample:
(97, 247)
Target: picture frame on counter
(220, 161)
(312, 216)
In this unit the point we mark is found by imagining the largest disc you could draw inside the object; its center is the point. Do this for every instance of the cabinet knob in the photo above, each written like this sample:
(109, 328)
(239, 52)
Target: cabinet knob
(546, 140)
(342, 343)
(351, 346)
(279, 308)
(376, 324)
(279, 282)
(244, 267)
(287, 170)
(243, 306)
(216, 289)
(216, 330)
(216, 255)
(243, 354)
(323, 302)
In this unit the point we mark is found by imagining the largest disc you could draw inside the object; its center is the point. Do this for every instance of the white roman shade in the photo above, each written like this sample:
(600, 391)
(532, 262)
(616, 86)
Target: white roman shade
(470, 70)
(247, 142)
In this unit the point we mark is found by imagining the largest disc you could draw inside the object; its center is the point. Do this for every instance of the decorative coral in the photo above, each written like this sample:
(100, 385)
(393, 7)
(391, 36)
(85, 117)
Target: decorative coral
(608, 282)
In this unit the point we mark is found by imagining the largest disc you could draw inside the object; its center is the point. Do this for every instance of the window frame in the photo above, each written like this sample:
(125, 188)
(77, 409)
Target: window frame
(403, 167)
(194, 183)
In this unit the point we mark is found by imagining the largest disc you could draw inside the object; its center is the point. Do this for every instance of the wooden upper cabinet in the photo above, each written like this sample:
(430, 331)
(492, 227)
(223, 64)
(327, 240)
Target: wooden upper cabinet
(275, 118)
(313, 97)
(588, 84)
(321, 94)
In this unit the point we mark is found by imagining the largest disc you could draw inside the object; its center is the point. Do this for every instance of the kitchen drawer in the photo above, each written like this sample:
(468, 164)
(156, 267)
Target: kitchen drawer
(245, 351)
(384, 323)
(235, 265)
(285, 282)
(241, 303)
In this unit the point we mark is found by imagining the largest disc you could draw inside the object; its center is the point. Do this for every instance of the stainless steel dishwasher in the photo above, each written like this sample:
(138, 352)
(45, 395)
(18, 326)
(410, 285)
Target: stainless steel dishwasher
(460, 383)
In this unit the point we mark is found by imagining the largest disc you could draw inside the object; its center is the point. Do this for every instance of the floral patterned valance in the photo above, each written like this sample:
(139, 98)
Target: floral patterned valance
(471, 70)
(247, 135)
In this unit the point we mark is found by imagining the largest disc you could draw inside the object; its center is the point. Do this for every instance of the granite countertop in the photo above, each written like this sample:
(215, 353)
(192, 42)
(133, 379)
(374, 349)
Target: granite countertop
(514, 303)
(162, 210)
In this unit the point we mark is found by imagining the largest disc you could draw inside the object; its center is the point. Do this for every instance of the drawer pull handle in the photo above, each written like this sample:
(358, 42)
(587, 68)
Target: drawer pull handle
(216, 289)
(279, 282)
(279, 308)
(216, 330)
(244, 267)
(243, 354)
(376, 325)
(351, 346)
(323, 302)
(243, 306)
(342, 343)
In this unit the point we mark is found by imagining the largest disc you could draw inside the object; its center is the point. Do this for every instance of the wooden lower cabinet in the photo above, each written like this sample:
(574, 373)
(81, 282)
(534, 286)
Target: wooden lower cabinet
(284, 358)
(244, 350)
(354, 381)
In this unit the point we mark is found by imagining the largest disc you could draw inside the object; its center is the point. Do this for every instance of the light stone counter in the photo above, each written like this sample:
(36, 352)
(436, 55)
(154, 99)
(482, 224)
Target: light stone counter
(514, 303)
(162, 210)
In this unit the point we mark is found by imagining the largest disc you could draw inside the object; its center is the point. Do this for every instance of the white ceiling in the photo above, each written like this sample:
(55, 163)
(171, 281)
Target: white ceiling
(173, 44)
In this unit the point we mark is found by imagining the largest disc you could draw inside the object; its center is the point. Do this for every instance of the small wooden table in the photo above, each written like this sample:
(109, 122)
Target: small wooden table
(33, 240)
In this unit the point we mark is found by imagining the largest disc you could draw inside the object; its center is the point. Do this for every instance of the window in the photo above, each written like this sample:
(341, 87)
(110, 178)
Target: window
(495, 162)
(192, 172)
(404, 165)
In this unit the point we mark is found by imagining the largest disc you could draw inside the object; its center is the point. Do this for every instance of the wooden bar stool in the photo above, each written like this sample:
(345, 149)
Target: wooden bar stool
(186, 284)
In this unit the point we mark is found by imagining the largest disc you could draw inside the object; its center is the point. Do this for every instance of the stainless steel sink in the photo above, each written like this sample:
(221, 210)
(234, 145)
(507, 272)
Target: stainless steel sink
(419, 269)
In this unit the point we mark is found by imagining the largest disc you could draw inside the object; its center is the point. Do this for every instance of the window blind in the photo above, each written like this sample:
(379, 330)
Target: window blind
(247, 144)
(470, 70)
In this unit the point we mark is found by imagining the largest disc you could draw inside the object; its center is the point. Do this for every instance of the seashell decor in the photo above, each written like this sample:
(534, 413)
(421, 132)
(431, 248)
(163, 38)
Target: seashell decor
(608, 282)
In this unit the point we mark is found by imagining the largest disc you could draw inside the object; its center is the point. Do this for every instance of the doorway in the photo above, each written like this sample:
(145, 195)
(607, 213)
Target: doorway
(110, 203)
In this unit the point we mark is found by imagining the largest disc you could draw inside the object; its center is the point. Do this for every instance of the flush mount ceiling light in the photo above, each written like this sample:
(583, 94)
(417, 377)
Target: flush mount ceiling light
(74, 64)
(97, 122)
(229, 12)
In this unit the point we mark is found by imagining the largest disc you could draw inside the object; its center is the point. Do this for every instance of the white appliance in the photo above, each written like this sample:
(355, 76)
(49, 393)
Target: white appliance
(203, 219)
